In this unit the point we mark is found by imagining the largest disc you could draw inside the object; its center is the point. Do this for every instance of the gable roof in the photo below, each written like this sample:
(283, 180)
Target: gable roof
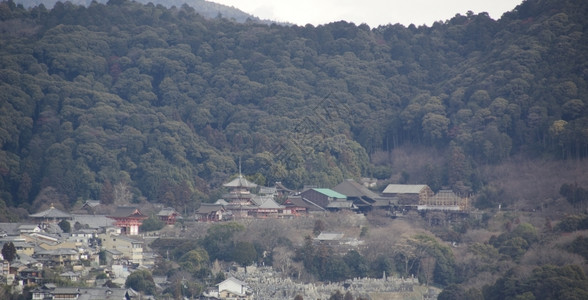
(66, 291)
(57, 251)
(268, 202)
(234, 286)
(127, 211)
(351, 188)
(330, 193)
(206, 208)
(166, 212)
(93, 221)
(9, 229)
(28, 227)
(301, 202)
(51, 213)
(26, 259)
(404, 188)
(102, 293)
(265, 201)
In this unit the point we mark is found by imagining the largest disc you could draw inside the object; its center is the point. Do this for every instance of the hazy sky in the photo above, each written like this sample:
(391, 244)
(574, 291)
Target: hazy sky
(371, 12)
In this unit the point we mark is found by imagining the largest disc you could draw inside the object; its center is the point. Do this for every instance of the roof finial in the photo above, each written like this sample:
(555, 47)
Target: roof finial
(240, 167)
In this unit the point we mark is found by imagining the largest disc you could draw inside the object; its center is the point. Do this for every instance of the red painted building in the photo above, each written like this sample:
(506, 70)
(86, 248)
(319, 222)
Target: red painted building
(128, 219)
(168, 216)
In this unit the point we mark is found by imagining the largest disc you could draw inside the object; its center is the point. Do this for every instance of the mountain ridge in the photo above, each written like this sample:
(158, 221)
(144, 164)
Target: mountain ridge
(167, 101)
(207, 9)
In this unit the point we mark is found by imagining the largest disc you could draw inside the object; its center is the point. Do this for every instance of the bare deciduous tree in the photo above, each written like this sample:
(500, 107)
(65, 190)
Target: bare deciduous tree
(282, 259)
(122, 193)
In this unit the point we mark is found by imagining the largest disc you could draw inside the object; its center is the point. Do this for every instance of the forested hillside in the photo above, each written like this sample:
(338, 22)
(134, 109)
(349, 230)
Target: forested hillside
(207, 9)
(165, 102)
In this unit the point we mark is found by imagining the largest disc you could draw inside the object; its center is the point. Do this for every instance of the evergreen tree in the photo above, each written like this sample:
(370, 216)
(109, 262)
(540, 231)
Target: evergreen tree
(9, 251)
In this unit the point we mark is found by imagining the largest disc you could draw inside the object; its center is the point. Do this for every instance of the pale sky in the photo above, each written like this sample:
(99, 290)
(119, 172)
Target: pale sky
(371, 12)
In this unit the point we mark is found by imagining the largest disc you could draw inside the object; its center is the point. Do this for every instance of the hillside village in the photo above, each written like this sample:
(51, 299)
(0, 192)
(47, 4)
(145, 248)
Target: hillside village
(94, 256)
(121, 124)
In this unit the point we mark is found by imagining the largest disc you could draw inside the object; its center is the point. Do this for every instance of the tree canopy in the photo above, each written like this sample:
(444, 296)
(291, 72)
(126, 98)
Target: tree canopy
(162, 102)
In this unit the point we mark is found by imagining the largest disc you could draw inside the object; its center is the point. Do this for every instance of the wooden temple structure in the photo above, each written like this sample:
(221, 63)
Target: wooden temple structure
(168, 216)
(243, 203)
(128, 219)
(50, 216)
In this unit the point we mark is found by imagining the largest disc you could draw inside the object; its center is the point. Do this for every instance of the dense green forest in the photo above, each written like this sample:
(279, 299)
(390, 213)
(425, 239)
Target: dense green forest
(164, 102)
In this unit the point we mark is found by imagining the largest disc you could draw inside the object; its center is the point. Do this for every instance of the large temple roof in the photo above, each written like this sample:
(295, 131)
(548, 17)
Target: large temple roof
(351, 188)
(51, 213)
(127, 212)
(404, 188)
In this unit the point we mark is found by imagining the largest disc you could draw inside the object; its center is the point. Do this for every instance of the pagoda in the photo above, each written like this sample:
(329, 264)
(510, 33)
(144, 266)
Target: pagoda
(240, 191)
(239, 196)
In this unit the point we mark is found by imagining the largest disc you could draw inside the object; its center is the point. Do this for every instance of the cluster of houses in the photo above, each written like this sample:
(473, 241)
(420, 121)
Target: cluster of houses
(103, 249)
(242, 202)
(100, 250)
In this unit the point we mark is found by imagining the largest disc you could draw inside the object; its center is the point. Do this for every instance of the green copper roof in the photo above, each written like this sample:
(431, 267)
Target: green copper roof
(331, 193)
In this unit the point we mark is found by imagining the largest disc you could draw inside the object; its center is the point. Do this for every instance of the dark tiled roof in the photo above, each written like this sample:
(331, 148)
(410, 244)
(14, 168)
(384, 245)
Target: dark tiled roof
(167, 211)
(301, 202)
(93, 221)
(51, 213)
(206, 208)
(404, 188)
(126, 211)
(351, 188)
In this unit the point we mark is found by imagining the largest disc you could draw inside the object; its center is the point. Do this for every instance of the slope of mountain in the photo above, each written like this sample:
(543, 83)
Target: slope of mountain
(207, 9)
(166, 102)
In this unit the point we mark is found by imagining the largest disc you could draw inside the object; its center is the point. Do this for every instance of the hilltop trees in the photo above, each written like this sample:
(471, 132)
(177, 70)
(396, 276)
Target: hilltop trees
(163, 100)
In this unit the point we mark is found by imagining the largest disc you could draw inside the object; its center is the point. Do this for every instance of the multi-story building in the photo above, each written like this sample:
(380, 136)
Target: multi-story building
(131, 248)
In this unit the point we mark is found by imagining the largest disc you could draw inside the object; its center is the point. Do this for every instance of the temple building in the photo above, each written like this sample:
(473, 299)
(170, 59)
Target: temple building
(362, 197)
(128, 218)
(241, 202)
(239, 197)
(408, 194)
(168, 216)
(445, 200)
(50, 216)
(239, 190)
(211, 212)
(327, 199)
